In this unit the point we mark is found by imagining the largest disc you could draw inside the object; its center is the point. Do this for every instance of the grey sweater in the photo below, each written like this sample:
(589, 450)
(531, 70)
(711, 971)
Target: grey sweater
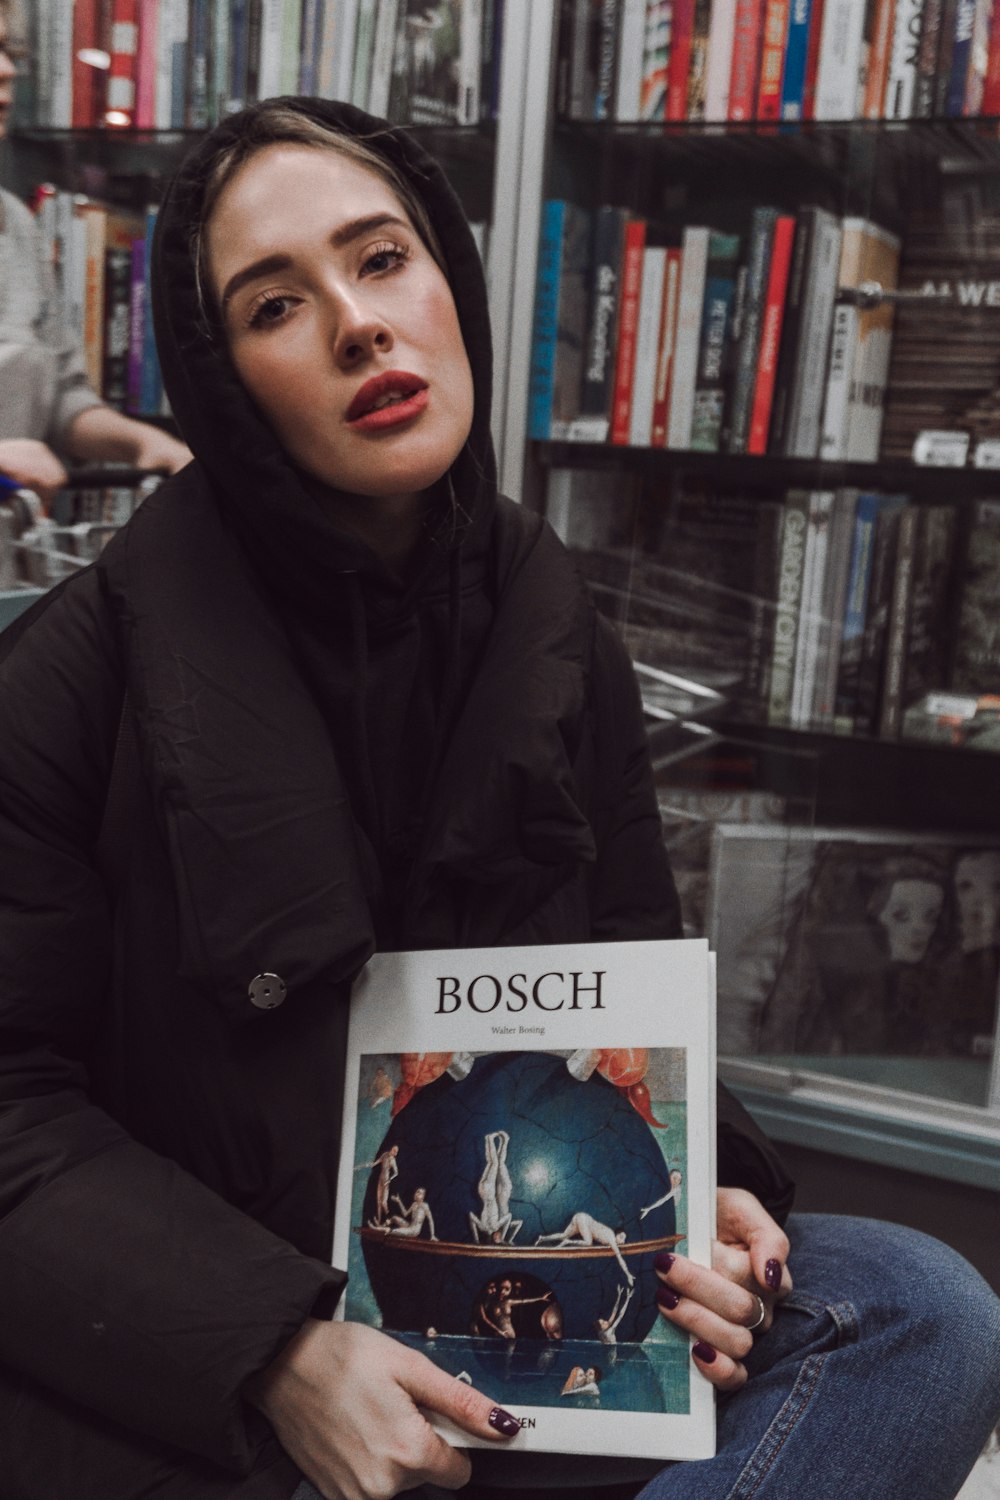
(43, 382)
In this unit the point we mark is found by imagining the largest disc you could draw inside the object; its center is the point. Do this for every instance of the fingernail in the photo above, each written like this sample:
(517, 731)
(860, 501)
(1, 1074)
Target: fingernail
(663, 1262)
(704, 1352)
(666, 1298)
(503, 1422)
(772, 1274)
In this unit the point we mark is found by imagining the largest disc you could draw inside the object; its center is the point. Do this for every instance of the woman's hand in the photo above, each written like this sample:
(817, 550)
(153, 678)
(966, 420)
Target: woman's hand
(344, 1401)
(33, 466)
(718, 1306)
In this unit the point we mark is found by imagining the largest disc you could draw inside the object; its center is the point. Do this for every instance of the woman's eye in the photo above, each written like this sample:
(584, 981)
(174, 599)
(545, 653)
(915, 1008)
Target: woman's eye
(387, 257)
(269, 310)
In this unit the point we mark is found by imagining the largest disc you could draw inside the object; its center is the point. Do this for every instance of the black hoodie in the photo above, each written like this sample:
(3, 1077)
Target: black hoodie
(168, 1149)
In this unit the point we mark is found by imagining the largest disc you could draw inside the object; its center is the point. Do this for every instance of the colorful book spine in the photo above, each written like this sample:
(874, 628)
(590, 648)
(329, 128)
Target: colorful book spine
(772, 59)
(720, 59)
(690, 300)
(927, 60)
(793, 79)
(810, 607)
(628, 71)
(961, 56)
(95, 217)
(745, 67)
(87, 79)
(121, 233)
(843, 343)
(747, 353)
(840, 59)
(870, 369)
(807, 375)
(151, 382)
(856, 608)
(571, 320)
(621, 404)
(679, 62)
(876, 82)
(990, 105)
(701, 22)
(904, 60)
(597, 385)
(654, 259)
(979, 58)
(812, 60)
(786, 614)
(770, 335)
(665, 348)
(543, 345)
(124, 49)
(655, 60)
(714, 343)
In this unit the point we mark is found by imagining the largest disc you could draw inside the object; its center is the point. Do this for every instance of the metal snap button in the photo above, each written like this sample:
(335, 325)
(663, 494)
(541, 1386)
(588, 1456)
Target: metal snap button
(267, 991)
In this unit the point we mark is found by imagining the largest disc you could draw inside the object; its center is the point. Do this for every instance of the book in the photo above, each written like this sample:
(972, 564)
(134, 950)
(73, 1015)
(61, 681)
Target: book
(979, 57)
(687, 341)
(786, 615)
(961, 56)
(890, 709)
(840, 60)
(763, 593)
(560, 317)
(975, 665)
(485, 1211)
(628, 316)
(870, 365)
(714, 351)
(840, 538)
(682, 16)
(772, 59)
(665, 348)
(122, 73)
(470, 61)
(627, 103)
(654, 259)
(606, 65)
(793, 80)
(94, 243)
(990, 103)
(655, 60)
(885, 549)
(758, 259)
(904, 60)
(801, 384)
(744, 70)
(928, 639)
(428, 75)
(814, 561)
(852, 635)
(584, 53)
(770, 334)
(945, 51)
(812, 60)
(364, 46)
(880, 51)
(843, 342)
(199, 105)
(718, 67)
(597, 385)
(382, 56)
(701, 21)
(925, 83)
(87, 78)
(121, 232)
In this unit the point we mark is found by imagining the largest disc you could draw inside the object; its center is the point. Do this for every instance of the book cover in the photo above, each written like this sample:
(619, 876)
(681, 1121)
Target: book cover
(714, 366)
(607, 61)
(584, 54)
(904, 60)
(812, 60)
(87, 79)
(890, 709)
(122, 232)
(758, 261)
(946, 47)
(840, 538)
(654, 261)
(840, 947)
(687, 341)
(665, 347)
(701, 21)
(975, 666)
(885, 549)
(925, 83)
(793, 80)
(880, 50)
(928, 641)
(852, 635)
(786, 616)
(426, 88)
(979, 58)
(873, 345)
(840, 60)
(124, 48)
(560, 310)
(151, 381)
(720, 59)
(597, 384)
(626, 106)
(807, 361)
(198, 104)
(772, 59)
(770, 334)
(745, 68)
(814, 564)
(631, 285)
(364, 46)
(655, 60)
(95, 217)
(485, 1213)
(470, 62)
(682, 17)
(990, 104)
(383, 56)
(961, 56)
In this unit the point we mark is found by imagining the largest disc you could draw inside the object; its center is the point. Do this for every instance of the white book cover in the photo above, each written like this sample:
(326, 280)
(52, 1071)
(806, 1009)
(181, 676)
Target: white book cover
(694, 259)
(165, 29)
(470, 62)
(811, 607)
(628, 78)
(818, 303)
(524, 1130)
(840, 58)
(722, 29)
(654, 260)
(902, 78)
(272, 22)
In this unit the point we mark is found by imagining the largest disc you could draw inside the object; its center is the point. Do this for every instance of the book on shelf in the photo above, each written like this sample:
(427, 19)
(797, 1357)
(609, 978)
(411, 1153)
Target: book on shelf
(899, 97)
(975, 664)
(802, 362)
(874, 642)
(836, 571)
(626, 105)
(770, 333)
(687, 340)
(814, 561)
(772, 59)
(713, 370)
(882, 17)
(855, 610)
(860, 343)
(654, 262)
(701, 21)
(666, 345)
(628, 318)
(718, 67)
(744, 68)
(747, 334)
(793, 78)
(890, 709)
(794, 526)
(682, 16)
(486, 1210)
(928, 624)
(924, 86)
(604, 291)
(840, 60)
(560, 320)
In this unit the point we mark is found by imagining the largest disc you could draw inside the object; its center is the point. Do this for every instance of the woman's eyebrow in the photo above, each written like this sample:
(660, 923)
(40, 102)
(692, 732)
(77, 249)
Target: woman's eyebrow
(344, 235)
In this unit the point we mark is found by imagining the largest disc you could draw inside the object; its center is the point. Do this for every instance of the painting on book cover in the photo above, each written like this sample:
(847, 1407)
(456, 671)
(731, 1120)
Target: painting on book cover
(506, 1212)
(859, 953)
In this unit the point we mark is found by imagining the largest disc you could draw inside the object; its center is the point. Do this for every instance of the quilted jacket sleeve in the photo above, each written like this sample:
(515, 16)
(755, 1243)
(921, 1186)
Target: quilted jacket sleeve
(129, 1287)
(635, 896)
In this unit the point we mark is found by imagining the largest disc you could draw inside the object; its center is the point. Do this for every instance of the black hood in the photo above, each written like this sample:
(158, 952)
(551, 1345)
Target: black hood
(267, 501)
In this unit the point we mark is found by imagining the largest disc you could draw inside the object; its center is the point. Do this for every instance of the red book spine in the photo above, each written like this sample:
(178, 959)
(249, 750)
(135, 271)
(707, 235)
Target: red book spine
(812, 61)
(628, 317)
(746, 53)
(679, 65)
(665, 349)
(772, 59)
(770, 332)
(991, 83)
(873, 107)
(124, 56)
(86, 77)
(145, 77)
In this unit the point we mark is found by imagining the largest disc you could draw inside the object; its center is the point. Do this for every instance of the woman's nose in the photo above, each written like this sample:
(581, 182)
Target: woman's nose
(359, 331)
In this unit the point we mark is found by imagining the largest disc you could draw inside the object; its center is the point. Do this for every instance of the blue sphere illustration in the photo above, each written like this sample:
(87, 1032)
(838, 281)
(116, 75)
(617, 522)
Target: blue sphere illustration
(571, 1147)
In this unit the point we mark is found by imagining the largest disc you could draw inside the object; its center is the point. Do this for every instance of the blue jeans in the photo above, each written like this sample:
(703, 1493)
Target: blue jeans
(880, 1378)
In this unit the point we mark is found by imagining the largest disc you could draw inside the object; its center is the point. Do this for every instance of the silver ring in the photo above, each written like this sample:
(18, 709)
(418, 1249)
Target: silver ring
(752, 1327)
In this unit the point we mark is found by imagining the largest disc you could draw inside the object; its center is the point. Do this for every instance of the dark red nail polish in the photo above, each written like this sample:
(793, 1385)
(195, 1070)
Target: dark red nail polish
(663, 1262)
(704, 1352)
(503, 1422)
(666, 1298)
(772, 1274)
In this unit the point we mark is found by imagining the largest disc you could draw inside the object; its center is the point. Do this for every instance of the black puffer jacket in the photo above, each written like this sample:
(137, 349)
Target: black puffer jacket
(168, 1148)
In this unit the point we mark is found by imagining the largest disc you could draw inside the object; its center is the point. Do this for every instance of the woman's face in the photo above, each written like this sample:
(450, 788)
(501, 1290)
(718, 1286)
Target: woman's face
(977, 894)
(909, 918)
(340, 323)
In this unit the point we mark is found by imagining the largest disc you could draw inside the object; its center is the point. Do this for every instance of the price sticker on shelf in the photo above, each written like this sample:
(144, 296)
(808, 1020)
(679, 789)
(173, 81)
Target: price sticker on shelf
(935, 449)
(986, 454)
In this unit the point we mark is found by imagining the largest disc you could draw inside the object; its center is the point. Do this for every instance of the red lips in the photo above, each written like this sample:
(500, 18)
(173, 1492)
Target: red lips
(392, 383)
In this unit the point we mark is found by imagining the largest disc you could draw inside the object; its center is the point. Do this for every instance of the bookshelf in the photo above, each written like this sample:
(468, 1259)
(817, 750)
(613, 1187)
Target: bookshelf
(829, 810)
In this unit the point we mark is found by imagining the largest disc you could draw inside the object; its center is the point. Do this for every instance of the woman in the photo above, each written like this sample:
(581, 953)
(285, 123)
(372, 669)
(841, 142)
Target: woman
(371, 706)
(48, 413)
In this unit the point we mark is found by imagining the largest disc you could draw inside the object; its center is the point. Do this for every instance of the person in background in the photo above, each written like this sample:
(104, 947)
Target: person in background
(49, 416)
